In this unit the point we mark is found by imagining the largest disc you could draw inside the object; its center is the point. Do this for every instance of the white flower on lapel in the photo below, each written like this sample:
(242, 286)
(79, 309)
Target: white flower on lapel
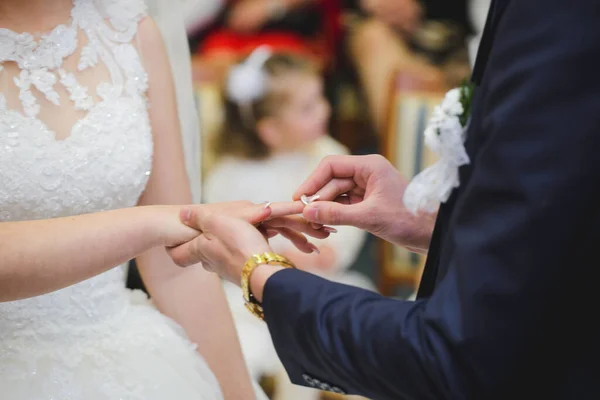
(445, 135)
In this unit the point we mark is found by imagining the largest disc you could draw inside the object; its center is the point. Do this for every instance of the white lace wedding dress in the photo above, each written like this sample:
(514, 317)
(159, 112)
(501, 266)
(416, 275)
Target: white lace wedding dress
(75, 138)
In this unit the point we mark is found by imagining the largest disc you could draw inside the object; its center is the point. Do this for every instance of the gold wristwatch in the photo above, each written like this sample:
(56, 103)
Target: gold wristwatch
(253, 305)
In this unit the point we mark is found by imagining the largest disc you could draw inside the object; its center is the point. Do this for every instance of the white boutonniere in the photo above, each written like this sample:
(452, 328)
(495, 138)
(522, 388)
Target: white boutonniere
(445, 135)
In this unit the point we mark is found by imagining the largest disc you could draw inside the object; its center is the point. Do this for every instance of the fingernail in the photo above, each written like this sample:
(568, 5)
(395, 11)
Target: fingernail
(330, 229)
(314, 248)
(185, 214)
(268, 204)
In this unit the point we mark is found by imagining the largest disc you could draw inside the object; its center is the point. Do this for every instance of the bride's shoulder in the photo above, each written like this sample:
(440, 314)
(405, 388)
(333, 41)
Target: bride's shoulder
(150, 41)
(133, 18)
(124, 15)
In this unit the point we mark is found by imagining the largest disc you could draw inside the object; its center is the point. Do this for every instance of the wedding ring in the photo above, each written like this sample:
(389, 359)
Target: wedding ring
(306, 200)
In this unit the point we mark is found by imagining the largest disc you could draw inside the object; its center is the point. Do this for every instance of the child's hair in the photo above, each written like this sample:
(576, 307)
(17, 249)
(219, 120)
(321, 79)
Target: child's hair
(238, 136)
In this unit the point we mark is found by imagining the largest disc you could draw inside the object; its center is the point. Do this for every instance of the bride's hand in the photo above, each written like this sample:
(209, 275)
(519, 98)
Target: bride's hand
(168, 227)
(227, 242)
(173, 233)
(281, 218)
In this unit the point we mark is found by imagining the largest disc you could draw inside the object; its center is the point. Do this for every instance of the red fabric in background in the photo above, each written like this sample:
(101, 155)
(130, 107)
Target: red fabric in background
(241, 43)
(227, 40)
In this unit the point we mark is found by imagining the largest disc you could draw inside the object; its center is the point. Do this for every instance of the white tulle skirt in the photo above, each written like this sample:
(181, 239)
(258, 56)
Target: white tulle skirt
(141, 355)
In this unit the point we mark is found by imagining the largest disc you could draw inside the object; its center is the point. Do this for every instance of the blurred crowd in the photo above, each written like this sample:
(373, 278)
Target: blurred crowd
(365, 39)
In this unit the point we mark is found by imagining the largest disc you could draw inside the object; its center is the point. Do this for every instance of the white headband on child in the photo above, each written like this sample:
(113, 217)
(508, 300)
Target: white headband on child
(248, 81)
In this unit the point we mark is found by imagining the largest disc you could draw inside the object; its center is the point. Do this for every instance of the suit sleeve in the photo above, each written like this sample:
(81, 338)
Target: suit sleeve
(517, 231)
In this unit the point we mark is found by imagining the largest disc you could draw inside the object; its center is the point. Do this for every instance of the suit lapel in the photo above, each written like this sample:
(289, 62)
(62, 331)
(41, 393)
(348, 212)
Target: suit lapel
(430, 273)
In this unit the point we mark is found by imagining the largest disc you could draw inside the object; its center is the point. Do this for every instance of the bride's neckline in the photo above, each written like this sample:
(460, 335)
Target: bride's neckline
(40, 34)
(41, 49)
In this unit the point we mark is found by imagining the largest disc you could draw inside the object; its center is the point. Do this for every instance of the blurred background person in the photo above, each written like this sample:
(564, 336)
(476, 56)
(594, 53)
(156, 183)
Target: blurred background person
(243, 25)
(424, 38)
(274, 135)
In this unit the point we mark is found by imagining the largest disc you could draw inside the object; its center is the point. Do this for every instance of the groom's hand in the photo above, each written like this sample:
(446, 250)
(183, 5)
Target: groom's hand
(365, 192)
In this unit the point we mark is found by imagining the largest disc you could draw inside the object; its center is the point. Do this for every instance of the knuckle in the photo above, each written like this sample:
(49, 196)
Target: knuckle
(179, 259)
(207, 266)
(327, 160)
(210, 224)
(235, 204)
(377, 159)
(379, 164)
(194, 250)
(238, 203)
(334, 215)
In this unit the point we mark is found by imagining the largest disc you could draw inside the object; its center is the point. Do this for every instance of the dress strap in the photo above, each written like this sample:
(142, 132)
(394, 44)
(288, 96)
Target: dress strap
(123, 15)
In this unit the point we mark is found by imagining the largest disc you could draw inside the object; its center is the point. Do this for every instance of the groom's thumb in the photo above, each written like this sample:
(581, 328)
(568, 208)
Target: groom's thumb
(332, 213)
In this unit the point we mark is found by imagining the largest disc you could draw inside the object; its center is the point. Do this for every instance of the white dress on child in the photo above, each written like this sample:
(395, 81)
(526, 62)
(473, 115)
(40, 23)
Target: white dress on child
(75, 138)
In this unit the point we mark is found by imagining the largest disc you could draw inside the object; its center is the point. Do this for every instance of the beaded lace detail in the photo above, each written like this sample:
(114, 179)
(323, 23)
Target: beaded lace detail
(89, 74)
(104, 159)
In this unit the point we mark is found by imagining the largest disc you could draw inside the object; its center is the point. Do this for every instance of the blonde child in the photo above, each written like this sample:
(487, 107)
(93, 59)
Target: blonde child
(275, 133)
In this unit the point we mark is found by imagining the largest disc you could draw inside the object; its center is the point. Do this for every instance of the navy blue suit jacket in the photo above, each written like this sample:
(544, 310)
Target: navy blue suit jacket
(507, 303)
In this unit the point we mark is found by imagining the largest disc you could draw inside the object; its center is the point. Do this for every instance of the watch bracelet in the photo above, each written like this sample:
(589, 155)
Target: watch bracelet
(259, 259)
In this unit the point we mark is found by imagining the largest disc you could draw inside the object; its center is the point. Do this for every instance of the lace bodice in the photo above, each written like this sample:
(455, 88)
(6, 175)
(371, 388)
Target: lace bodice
(75, 138)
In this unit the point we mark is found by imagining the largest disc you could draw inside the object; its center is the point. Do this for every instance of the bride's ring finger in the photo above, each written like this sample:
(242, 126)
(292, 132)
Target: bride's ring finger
(281, 209)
